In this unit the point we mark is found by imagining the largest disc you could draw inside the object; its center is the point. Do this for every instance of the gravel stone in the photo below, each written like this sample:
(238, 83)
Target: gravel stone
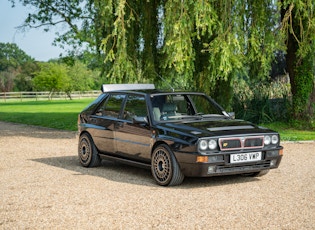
(43, 186)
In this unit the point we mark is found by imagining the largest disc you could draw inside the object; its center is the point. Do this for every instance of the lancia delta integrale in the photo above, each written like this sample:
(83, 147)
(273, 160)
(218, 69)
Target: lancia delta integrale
(175, 134)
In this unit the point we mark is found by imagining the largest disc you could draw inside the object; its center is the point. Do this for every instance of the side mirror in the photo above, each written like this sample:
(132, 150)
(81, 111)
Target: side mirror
(232, 115)
(140, 120)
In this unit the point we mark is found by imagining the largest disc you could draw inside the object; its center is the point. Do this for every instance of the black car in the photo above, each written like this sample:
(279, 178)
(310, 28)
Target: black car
(175, 134)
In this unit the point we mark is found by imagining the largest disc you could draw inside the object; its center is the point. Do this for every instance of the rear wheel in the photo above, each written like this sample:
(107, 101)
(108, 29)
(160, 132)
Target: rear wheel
(87, 152)
(164, 167)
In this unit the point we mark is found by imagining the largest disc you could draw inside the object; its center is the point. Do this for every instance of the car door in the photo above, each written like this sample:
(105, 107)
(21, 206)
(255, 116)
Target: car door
(104, 119)
(133, 139)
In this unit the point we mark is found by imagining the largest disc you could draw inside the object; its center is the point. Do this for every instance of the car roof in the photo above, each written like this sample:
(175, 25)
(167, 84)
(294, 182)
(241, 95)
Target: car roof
(126, 87)
(141, 88)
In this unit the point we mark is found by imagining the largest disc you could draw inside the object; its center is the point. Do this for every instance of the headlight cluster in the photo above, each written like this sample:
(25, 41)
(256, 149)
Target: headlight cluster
(272, 139)
(207, 144)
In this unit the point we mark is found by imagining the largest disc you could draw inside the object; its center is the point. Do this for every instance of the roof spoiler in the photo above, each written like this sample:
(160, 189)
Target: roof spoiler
(115, 87)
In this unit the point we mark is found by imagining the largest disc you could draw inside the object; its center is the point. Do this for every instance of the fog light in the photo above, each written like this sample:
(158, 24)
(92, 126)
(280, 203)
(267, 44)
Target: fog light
(273, 153)
(211, 169)
(273, 163)
(215, 158)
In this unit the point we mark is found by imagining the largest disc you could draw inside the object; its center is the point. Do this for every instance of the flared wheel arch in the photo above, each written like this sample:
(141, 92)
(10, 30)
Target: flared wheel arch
(177, 176)
(95, 158)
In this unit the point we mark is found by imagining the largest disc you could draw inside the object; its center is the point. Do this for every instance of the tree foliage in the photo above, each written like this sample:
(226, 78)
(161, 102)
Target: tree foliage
(298, 26)
(59, 77)
(82, 78)
(12, 59)
(11, 56)
(189, 44)
(52, 77)
(24, 78)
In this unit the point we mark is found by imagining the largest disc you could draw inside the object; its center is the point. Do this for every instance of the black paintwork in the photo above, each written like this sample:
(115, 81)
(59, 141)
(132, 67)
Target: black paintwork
(132, 142)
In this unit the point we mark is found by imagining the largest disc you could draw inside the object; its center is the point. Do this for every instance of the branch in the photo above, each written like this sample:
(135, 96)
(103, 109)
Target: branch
(43, 24)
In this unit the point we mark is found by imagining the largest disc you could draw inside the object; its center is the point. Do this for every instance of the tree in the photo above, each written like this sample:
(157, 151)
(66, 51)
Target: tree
(24, 79)
(12, 60)
(298, 25)
(82, 78)
(204, 45)
(56, 76)
(52, 77)
(84, 23)
(7, 80)
(11, 56)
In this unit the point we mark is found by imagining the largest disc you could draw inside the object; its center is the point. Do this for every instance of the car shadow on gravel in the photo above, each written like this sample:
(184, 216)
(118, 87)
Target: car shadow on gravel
(122, 173)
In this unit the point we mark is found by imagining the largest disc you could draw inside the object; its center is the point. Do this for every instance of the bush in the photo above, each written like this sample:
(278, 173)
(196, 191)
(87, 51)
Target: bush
(261, 102)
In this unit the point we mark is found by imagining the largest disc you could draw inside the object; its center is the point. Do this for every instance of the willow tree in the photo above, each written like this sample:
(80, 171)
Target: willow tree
(189, 44)
(209, 43)
(131, 47)
(298, 25)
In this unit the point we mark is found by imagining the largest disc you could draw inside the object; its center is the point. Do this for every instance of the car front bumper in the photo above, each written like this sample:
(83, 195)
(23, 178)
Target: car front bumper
(220, 164)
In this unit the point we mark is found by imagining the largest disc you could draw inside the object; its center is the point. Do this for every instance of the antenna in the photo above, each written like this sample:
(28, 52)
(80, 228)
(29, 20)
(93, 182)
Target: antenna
(165, 82)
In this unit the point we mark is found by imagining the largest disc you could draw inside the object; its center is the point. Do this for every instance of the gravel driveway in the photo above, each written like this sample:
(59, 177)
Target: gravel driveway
(42, 186)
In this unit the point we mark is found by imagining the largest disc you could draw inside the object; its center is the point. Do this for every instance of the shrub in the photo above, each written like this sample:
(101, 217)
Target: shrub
(261, 102)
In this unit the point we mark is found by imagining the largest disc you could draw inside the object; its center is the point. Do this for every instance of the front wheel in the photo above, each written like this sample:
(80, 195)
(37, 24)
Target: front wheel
(165, 168)
(87, 152)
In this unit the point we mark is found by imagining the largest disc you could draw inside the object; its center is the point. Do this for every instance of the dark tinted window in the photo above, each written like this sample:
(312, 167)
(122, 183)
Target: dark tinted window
(135, 107)
(111, 106)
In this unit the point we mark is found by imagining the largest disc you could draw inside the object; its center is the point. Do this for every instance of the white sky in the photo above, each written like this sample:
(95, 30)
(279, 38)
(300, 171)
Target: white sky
(35, 42)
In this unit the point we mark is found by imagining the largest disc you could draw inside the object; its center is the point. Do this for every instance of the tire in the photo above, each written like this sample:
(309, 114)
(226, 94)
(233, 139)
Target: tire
(257, 174)
(87, 152)
(164, 167)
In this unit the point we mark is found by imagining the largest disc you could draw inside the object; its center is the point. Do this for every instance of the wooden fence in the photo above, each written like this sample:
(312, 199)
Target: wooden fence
(6, 96)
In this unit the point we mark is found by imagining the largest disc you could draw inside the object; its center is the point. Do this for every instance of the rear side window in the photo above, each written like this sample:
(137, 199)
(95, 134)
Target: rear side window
(135, 107)
(111, 107)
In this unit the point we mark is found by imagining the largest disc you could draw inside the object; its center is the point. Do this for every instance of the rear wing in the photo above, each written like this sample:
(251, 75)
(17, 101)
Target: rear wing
(116, 87)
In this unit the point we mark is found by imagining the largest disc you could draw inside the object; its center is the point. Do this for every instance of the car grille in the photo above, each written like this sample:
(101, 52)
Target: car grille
(236, 143)
(234, 168)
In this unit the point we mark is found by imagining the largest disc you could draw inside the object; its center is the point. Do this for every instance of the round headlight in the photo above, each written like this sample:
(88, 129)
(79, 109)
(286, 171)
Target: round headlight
(267, 140)
(212, 144)
(274, 139)
(203, 145)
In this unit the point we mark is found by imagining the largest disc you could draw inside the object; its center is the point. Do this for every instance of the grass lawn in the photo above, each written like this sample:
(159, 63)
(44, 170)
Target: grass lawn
(58, 114)
(287, 133)
(63, 114)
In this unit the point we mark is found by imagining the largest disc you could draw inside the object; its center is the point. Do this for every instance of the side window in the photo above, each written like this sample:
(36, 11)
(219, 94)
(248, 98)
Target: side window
(135, 107)
(111, 106)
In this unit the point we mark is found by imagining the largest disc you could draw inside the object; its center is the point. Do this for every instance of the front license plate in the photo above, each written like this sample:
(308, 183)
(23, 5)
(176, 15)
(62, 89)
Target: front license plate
(245, 157)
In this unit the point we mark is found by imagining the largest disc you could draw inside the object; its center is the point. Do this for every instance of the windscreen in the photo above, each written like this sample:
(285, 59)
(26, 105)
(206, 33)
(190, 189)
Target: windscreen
(183, 106)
